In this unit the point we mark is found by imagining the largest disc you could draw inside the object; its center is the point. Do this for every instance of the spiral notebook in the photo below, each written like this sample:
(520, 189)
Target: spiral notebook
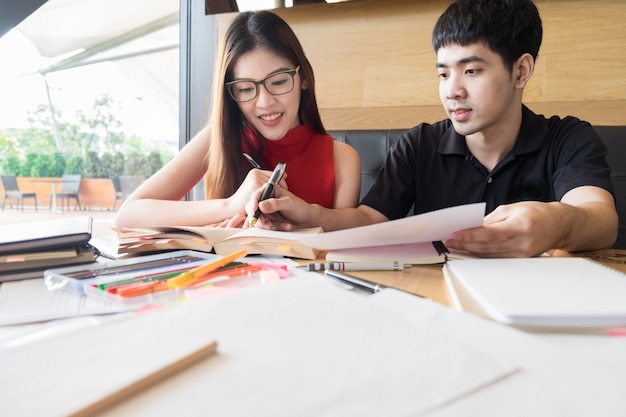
(544, 291)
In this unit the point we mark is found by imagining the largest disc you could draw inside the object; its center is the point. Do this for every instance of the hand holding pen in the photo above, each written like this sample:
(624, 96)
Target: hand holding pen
(277, 175)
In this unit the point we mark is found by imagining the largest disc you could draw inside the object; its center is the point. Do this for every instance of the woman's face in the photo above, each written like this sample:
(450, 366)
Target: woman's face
(272, 115)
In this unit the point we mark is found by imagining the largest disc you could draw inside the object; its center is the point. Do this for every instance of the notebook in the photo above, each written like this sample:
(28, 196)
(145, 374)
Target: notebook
(425, 253)
(539, 292)
(28, 249)
(421, 253)
(45, 234)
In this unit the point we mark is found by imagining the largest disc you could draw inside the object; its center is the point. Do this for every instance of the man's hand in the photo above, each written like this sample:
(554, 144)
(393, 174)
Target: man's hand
(515, 230)
(585, 219)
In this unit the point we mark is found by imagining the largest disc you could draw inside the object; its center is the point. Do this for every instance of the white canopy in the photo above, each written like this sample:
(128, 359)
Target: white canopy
(137, 40)
(62, 27)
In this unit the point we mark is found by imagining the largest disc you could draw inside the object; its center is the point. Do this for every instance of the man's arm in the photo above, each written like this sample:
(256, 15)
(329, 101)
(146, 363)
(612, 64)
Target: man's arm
(285, 211)
(584, 219)
(596, 225)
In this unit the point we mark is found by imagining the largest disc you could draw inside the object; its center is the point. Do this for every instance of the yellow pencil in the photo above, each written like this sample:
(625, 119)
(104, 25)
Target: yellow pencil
(190, 276)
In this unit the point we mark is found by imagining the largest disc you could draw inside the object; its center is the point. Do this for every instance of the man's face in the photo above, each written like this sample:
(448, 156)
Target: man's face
(476, 89)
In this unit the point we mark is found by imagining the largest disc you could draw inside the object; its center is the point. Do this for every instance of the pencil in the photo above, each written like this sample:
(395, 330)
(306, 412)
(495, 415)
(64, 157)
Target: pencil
(190, 276)
(151, 378)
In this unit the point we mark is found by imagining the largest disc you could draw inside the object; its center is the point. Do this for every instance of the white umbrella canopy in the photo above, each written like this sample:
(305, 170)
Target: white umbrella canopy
(60, 27)
(137, 39)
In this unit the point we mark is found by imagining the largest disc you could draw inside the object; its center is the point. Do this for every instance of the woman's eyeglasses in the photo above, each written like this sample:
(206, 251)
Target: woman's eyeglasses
(276, 84)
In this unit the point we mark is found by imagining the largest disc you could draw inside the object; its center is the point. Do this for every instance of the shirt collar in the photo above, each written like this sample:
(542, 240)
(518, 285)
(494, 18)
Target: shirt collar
(533, 129)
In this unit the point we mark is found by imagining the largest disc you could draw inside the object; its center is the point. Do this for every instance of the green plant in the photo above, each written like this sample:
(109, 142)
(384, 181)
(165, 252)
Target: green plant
(11, 164)
(78, 147)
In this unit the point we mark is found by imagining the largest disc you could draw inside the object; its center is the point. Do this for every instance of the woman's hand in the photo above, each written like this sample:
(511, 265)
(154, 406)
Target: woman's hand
(255, 180)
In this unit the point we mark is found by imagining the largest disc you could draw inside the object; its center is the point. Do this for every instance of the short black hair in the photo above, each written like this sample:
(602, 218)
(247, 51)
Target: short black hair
(509, 28)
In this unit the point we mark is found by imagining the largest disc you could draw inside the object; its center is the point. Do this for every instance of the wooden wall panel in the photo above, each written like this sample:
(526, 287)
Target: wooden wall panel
(375, 67)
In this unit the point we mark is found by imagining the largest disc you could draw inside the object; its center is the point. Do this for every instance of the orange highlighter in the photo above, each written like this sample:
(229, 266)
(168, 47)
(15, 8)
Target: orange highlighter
(158, 286)
(187, 278)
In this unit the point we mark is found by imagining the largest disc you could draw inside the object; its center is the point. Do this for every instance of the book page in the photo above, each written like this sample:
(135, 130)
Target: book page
(270, 242)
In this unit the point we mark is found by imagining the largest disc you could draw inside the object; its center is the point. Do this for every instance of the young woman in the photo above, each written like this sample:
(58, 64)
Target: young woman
(263, 106)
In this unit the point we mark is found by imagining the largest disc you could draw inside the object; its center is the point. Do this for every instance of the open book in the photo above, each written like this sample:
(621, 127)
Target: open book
(220, 240)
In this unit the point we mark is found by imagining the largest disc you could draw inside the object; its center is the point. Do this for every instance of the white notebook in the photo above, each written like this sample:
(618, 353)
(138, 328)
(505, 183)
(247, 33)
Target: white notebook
(544, 291)
(424, 253)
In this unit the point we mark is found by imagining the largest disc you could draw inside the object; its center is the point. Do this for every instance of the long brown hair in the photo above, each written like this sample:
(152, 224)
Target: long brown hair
(248, 31)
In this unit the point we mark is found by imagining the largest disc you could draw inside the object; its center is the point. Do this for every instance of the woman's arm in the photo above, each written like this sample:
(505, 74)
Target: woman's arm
(347, 176)
(157, 202)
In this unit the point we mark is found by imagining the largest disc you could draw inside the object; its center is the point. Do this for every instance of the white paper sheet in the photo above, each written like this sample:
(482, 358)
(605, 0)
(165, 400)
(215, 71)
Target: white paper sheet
(300, 347)
(555, 379)
(427, 227)
(30, 301)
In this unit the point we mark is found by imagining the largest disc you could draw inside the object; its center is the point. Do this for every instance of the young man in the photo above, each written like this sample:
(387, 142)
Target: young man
(545, 181)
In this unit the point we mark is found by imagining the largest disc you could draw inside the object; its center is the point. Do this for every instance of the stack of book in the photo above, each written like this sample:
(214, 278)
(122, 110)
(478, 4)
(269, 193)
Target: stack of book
(28, 249)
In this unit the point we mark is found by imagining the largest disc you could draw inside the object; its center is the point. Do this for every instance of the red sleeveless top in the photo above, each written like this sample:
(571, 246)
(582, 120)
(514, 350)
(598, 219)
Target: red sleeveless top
(310, 163)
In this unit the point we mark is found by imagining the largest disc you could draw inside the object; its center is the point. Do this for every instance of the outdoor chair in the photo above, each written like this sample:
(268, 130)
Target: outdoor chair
(124, 186)
(70, 189)
(117, 187)
(12, 191)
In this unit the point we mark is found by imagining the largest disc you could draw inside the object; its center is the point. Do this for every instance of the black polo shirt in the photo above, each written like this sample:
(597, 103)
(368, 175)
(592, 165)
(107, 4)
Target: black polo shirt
(431, 168)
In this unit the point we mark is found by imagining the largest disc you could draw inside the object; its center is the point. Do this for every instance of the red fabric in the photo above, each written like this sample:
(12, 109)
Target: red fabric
(310, 163)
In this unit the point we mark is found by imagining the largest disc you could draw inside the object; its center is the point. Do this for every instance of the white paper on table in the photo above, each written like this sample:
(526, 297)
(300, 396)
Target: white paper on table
(554, 379)
(298, 348)
(29, 301)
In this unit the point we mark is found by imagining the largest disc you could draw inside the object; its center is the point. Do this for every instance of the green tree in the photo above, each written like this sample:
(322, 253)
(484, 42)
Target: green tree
(8, 145)
(57, 166)
(153, 163)
(39, 136)
(118, 164)
(74, 165)
(94, 146)
(11, 164)
(92, 167)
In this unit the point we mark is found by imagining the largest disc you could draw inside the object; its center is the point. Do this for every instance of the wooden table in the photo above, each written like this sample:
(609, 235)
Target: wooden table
(428, 281)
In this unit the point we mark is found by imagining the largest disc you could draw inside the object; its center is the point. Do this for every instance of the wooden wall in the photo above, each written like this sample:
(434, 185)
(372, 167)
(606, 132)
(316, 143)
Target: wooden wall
(375, 67)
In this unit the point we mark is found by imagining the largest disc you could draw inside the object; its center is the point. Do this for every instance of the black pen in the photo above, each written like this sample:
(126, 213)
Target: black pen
(359, 283)
(354, 281)
(277, 175)
(252, 161)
